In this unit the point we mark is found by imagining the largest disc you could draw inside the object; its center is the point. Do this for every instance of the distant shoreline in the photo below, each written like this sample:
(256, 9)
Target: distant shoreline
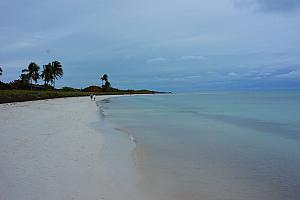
(11, 96)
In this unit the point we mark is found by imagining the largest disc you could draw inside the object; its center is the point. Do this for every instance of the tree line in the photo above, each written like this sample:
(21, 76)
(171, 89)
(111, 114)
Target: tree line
(51, 72)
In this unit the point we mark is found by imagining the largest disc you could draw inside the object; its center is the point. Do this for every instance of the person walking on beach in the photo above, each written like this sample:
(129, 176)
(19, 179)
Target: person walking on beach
(91, 96)
(94, 97)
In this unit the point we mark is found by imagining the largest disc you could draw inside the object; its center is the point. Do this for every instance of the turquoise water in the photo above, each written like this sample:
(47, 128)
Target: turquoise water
(215, 145)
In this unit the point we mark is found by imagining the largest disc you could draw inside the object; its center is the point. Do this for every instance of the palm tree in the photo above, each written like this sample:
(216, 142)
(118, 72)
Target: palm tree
(52, 71)
(104, 78)
(24, 77)
(32, 72)
(107, 84)
(47, 74)
(57, 71)
(1, 71)
(101, 78)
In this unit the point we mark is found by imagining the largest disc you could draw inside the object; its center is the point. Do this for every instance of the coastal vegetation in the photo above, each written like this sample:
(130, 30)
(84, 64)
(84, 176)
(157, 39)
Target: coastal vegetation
(107, 84)
(51, 72)
(31, 73)
(26, 88)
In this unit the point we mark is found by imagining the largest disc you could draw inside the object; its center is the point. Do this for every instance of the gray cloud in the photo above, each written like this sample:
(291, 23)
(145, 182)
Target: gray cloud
(293, 74)
(193, 57)
(157, 59)
(270, 5)
(194, 40)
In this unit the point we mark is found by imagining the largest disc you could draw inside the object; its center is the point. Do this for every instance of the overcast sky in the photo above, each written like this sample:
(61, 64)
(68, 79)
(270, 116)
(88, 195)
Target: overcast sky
(177, 45)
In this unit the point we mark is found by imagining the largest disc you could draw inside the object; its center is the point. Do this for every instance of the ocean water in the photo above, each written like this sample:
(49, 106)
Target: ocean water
(214, 145)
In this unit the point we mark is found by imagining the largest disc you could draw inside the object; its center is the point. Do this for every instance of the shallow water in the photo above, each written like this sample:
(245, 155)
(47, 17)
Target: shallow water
(222, 145)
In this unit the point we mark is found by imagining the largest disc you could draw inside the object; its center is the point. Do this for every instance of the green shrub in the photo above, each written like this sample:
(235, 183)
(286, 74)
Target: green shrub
(70, 89)
(93, 89)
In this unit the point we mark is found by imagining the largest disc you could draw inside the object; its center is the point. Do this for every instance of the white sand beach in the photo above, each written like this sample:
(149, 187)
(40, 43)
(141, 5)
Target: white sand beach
(53, 149)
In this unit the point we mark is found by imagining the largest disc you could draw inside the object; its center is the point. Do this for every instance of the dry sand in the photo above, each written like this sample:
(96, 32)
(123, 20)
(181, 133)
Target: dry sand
(54, 150)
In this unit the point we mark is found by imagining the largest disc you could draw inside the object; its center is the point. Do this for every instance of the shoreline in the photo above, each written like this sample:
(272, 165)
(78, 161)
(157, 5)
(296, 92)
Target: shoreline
(12, 96)
(59, 149)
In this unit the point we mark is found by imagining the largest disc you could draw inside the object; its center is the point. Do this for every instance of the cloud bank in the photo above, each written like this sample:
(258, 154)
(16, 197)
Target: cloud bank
(197, 42)
(283, 6)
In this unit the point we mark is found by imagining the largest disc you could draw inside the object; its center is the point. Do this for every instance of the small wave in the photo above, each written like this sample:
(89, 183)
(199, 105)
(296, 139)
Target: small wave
(130, 136)
(101, 109)
(102, 112)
